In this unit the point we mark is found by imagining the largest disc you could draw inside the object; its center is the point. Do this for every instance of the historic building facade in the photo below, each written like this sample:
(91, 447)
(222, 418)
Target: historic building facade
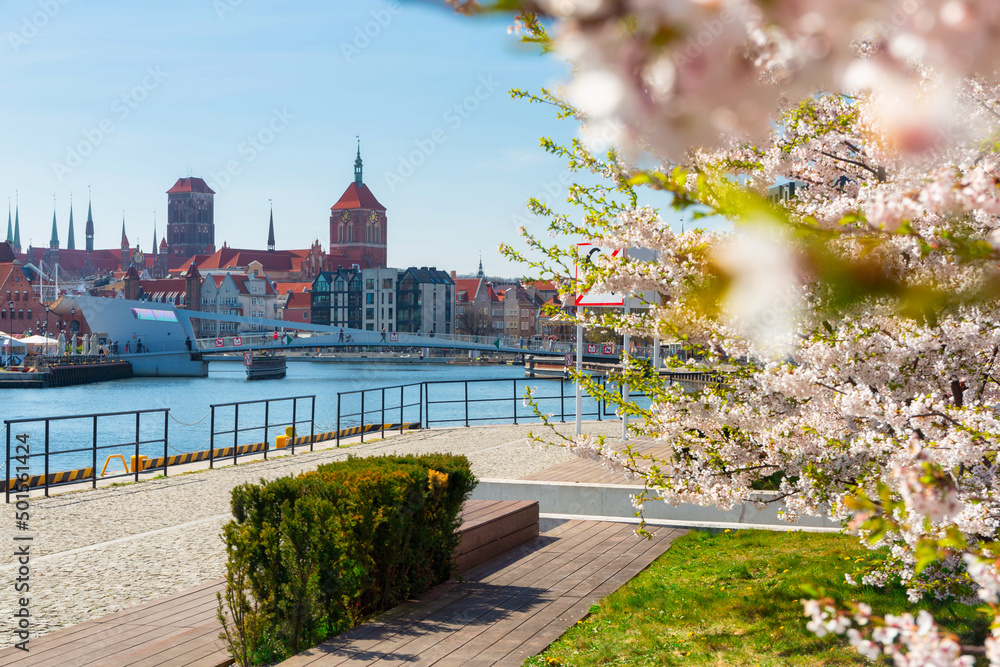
(358, 224)
(190, 218)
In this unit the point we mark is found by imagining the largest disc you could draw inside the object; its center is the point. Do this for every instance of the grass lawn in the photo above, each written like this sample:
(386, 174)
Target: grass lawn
(733, 599)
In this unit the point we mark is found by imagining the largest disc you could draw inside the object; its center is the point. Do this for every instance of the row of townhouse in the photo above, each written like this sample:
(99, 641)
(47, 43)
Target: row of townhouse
(248, 294)
(512, 310)
(413, 300)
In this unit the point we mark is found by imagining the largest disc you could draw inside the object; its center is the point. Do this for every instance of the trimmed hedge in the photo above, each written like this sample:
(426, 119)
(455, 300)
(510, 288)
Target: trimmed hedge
(321, 552)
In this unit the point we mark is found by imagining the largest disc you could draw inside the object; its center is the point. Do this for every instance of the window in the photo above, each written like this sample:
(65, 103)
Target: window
(390, 313)
(390, 297)
(387, 283)
(524, 326)
(461, 310)
(17, 295)
(369, 298)
(370, 284)
(305, 314)
(369, 313)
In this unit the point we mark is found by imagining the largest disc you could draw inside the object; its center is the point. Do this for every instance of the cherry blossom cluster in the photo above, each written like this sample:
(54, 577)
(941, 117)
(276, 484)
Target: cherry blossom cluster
(911, 642)
(668, 76)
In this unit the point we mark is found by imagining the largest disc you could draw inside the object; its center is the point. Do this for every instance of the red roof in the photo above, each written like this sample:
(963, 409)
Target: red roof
(190, 184)
(355, 197)
(470, 286)
(298, 300)
(284, 288)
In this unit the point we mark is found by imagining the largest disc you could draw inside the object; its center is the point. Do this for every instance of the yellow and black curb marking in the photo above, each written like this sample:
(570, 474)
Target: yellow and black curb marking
(87, 474)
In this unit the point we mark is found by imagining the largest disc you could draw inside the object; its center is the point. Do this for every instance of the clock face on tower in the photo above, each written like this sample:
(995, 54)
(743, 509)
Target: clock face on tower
(373, 217)
(138, 258)
(345, 216)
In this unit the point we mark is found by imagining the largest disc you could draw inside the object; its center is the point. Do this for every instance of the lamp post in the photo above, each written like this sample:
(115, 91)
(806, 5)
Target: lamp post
(47, 311)
(10, 341)
(72, 325)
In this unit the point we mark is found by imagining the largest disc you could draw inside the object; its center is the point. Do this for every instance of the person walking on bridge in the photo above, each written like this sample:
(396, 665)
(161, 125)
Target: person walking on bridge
(341, 339)
(383, 334)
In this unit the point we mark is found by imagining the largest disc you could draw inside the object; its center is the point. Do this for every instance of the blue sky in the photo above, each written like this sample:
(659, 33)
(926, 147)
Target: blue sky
(263, 99)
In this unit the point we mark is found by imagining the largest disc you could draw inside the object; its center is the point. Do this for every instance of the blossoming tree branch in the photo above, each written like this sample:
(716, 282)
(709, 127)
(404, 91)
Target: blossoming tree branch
(854, 327)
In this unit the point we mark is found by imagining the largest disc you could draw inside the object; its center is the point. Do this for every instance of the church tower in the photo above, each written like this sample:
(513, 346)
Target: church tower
(358, 223)
(126, 260)
(89, 231)
(71, 237)
(270, 232)
(190, 218)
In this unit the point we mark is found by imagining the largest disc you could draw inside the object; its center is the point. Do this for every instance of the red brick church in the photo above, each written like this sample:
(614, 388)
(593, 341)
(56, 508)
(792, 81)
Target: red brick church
(358, 224)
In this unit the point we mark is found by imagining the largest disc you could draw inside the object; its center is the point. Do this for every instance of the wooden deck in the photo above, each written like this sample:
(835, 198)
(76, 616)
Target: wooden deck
(586, 471)
(504, 610)
(182, 629)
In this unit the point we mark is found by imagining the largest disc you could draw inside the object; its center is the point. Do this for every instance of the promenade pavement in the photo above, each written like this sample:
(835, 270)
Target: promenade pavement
(99, 551)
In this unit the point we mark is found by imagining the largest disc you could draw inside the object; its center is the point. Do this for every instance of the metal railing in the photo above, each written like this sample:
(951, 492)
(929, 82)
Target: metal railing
(381, 407)
(465, 403)
(237, 430)
(22, 454)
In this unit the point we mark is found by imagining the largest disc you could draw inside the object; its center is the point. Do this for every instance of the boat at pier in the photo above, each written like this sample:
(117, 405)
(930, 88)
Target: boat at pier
(264, 366)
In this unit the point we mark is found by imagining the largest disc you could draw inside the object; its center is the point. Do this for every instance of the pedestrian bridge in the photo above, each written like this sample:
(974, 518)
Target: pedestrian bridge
(355, 338)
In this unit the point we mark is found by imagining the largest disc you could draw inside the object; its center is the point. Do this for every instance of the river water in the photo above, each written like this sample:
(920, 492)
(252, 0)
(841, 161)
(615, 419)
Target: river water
(494, 397)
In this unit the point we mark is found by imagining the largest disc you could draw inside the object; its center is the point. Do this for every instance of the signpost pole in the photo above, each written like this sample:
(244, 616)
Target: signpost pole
(579, 371)
(625, 359)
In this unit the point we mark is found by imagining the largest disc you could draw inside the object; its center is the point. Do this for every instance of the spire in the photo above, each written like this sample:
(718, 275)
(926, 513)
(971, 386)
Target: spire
(357, 166)
(54, 241)
(17, 223)
(270, 231)
(10, 226)
(124, 238)
(71, 241)
(89, 231)
(155, 247)
(480, 274)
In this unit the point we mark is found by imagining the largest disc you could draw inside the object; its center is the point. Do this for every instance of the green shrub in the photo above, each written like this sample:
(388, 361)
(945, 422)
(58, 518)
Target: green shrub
(321, 552)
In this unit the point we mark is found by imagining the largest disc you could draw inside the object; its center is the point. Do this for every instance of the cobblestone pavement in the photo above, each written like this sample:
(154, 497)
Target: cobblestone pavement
(99, 551)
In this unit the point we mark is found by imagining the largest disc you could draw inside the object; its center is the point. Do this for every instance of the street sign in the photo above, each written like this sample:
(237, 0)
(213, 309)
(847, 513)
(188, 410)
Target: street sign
(220, 342)
(394, 338)
(569, 359)
(248, 358)
(591, 348)
(588, 253)
(609, 348)
(237, 341)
